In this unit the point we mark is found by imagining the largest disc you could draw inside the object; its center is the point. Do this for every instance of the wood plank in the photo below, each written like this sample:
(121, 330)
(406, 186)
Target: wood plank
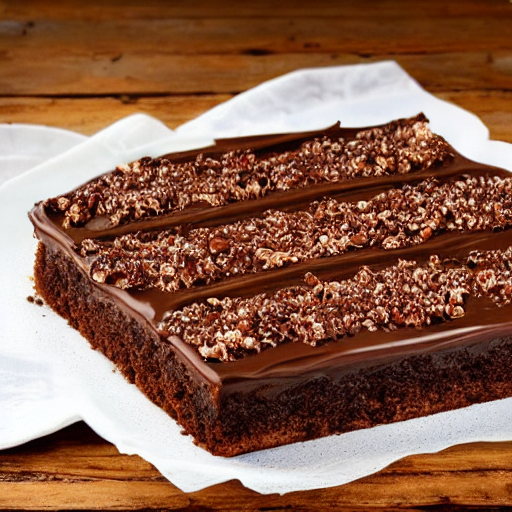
(75, 55)
(92, 495)
(462, 458)
(89, 115)
(75, 469)
(493, 108)
(474, 491)
(192, 36)
(57, 73)
(158, 9)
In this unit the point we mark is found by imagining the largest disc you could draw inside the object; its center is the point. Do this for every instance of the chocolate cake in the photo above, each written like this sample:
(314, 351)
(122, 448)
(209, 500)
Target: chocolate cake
(280, 288)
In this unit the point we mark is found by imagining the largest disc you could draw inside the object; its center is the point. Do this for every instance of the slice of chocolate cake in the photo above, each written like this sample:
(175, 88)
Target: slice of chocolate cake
(280, 288)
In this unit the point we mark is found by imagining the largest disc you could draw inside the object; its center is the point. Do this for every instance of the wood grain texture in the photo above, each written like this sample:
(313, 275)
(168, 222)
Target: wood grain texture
(83, 65)
(61, 74)
(56, 50)
(97, 10)
(206, 36)
(88, 115)
(75, 469)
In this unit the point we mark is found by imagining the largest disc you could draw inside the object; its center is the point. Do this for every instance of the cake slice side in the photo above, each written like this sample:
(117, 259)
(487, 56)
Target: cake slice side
(247, 414)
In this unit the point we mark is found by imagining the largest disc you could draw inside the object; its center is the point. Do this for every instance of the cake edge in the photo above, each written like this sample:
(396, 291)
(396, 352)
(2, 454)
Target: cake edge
(266, 416)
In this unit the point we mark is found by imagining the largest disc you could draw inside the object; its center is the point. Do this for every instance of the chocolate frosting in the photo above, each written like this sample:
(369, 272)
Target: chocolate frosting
(483, 323)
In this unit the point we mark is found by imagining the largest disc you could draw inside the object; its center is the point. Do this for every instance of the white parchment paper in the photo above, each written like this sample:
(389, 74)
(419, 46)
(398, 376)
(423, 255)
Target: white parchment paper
(50, 378)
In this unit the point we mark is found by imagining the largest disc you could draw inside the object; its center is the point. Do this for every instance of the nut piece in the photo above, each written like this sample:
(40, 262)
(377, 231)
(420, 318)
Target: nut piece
(218, 244)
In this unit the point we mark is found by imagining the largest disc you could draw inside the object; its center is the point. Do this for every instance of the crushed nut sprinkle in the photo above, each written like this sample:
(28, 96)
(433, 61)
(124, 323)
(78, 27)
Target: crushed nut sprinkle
(152, 187)
(405, 295)
(393, 219)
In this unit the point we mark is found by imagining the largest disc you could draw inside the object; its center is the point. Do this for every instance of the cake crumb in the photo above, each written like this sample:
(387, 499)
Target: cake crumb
(35, 300)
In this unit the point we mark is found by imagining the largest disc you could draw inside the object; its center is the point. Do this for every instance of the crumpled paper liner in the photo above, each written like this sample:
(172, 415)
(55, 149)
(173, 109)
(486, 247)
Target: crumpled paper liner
(50, 378)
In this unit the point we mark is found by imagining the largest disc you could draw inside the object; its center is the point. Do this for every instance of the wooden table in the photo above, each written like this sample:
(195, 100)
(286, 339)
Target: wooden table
(82, 66)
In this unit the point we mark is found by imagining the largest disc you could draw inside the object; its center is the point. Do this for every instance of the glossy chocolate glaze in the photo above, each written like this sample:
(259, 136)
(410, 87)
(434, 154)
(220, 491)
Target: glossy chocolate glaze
(296, 198)
(291, 363)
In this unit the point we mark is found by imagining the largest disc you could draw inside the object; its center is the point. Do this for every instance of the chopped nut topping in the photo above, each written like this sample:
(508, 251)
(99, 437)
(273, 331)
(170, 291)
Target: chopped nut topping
(393, 219)
(404, 295)
(152, 187)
